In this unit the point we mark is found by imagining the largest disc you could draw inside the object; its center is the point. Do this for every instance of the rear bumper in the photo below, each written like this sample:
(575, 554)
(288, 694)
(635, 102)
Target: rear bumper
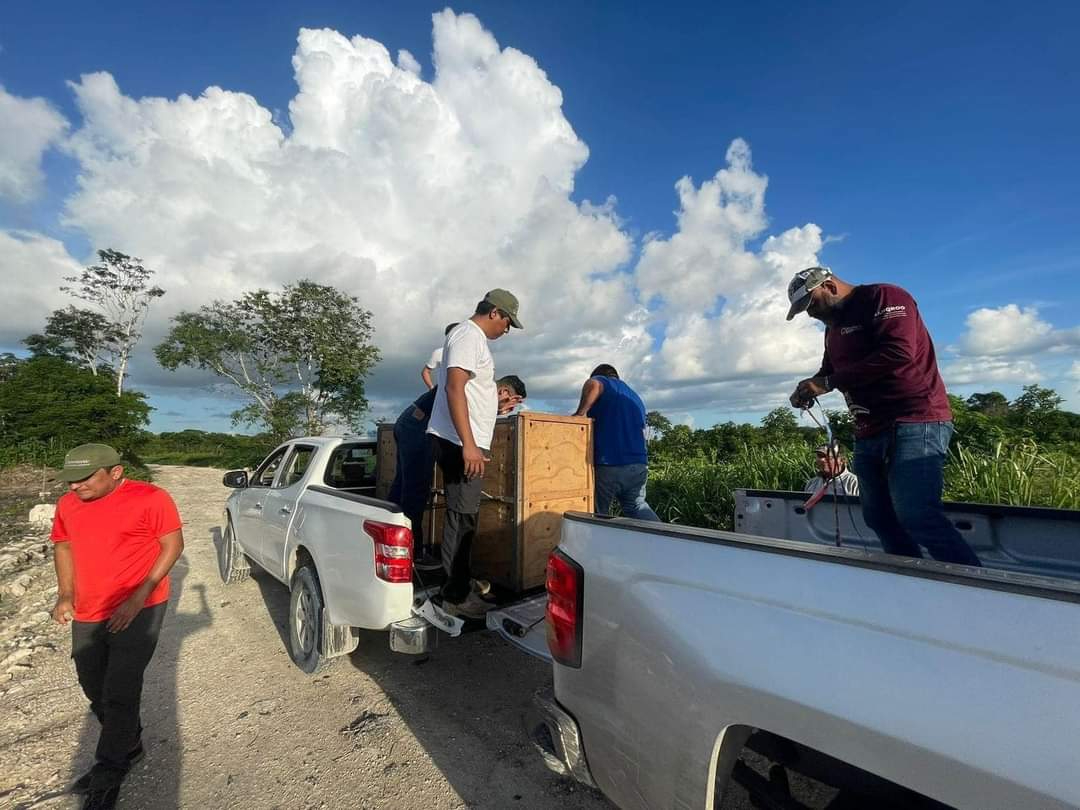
(556, 736)
(413, 636)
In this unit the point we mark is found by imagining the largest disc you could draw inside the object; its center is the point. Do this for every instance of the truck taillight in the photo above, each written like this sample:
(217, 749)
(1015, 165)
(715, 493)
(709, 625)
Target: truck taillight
(393, 550)
(565, 588)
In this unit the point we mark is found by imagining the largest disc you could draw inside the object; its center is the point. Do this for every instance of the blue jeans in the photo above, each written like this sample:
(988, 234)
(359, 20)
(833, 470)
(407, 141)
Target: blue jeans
(415, 465)
(625, 482)
(900, 482)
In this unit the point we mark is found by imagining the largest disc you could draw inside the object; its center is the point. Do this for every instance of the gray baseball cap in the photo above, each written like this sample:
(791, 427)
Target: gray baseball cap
(85, 460)
(804, 282)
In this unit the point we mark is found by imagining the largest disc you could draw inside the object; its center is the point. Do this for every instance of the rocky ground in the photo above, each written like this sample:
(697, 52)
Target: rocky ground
(231, 723)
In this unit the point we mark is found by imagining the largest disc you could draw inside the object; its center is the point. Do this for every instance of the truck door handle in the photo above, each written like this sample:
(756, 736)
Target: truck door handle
(285, 510)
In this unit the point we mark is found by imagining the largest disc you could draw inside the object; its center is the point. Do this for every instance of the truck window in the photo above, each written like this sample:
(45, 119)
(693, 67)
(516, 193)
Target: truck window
(264, 475)
(296, 466)
(352, 467)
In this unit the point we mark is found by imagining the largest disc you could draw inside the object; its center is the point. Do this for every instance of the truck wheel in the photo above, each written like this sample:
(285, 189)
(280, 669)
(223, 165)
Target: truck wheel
(232, 563)
(305, 619)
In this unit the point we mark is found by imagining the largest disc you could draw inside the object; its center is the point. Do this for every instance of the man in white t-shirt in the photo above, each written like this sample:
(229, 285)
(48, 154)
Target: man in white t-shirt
(462, 424)
(431, 367)
(832, 473)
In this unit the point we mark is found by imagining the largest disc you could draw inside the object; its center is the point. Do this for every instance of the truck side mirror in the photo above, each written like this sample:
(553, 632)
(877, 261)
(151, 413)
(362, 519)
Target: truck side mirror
(235, 479)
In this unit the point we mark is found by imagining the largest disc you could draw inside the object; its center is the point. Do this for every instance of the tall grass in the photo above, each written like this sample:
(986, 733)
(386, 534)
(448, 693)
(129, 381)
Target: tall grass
(1017, 474)
(698, 492)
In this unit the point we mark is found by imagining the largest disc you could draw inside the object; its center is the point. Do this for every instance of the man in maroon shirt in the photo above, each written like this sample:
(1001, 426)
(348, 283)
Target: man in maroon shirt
(880, 356)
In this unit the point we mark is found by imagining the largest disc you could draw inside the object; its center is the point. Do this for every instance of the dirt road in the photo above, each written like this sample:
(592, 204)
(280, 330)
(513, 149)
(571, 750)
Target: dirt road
(231, 723)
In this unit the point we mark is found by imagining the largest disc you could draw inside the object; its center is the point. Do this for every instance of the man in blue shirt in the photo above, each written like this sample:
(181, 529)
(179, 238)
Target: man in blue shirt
(619, 455)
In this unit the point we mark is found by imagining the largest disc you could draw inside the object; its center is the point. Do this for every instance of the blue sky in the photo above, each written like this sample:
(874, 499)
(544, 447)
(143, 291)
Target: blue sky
(935, 143)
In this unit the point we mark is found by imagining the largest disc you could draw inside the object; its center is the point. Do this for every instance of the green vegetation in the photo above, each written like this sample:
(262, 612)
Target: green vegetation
(1018, 474)
(1025, 452)
(196, 448)
(298, 357)
(698, 492)
(48, 405)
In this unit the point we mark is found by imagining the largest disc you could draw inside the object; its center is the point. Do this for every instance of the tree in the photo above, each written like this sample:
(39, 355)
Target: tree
(843, 427)
(1038, 412)
(79, 336)
(9, 364)
(300, 356)
(120, 286)
(780, 424)
(994, 405)
(48, 398)
(657, 424)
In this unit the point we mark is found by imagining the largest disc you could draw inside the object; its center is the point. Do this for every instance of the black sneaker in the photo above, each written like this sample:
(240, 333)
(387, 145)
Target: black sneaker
(82, 784)
(102, 798)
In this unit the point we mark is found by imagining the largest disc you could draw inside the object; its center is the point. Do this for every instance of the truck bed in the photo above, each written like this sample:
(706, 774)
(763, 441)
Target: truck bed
(1020, 539)
(961, 684)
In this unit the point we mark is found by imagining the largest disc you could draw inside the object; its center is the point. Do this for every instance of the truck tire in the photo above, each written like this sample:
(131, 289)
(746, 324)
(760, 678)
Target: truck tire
(305, 619)
(232, 564)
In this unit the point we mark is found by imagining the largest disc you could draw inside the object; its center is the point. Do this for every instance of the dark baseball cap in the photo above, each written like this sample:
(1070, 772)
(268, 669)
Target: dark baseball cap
(507, 302)
(804, 283)
(85, 460)
(515, 383)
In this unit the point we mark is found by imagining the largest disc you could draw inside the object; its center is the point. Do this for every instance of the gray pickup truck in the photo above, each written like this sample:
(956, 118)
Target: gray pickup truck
(687, 660)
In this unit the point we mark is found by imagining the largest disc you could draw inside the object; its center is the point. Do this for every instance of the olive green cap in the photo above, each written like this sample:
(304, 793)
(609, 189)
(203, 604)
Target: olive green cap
(508, 303)
(87, 459)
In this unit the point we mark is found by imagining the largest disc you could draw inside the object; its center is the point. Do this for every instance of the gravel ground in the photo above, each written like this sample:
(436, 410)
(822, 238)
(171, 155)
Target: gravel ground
(231, 723)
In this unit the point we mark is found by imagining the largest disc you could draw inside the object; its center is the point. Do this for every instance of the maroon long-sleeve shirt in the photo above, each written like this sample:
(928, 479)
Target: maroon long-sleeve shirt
(879, 354)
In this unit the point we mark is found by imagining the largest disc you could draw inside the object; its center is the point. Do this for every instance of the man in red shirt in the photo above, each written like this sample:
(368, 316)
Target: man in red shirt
(879, 354)
(114, 541)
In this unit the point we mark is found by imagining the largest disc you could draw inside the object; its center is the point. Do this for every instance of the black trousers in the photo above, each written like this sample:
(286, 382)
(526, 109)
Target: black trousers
(110, 668)
(459, 528)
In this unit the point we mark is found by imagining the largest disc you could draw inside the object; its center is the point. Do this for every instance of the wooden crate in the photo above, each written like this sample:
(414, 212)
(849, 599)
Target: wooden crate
(541, 466)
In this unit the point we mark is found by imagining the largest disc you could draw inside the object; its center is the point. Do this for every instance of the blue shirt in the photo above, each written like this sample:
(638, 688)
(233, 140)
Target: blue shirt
(619, 425)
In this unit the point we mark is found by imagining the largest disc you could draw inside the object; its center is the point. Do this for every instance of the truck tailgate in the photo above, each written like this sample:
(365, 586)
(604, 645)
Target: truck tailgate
(523, 625)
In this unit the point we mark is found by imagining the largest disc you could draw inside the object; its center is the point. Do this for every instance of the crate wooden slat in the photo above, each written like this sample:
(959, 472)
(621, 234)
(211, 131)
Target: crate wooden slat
(541, 466)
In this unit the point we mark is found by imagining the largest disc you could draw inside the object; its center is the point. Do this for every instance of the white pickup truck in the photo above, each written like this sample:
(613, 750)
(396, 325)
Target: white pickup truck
(307, 516)
(688, 660)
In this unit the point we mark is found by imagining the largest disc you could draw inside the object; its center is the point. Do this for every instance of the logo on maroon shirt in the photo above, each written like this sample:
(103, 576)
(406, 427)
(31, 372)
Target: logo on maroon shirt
(847, 330)
(896, 311)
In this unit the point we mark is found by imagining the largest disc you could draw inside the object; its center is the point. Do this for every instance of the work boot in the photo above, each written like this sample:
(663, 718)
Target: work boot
(82, 784)
(471, 607)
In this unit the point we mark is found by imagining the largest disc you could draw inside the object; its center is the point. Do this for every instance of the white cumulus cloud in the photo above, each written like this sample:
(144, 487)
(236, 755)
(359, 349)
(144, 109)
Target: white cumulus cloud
(32, 267)
(986, 370)
(1010, 331)
(417, 196)
(723, 301)
(28, 127)
(1008, 344)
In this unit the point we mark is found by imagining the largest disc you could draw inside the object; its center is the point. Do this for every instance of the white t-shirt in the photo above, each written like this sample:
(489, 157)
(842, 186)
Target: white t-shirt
(847, 480)
(436, 359)
(466, 348)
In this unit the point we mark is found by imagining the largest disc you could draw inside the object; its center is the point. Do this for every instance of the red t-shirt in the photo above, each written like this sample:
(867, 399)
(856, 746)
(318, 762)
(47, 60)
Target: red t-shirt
(114, 544)
(879, 354)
